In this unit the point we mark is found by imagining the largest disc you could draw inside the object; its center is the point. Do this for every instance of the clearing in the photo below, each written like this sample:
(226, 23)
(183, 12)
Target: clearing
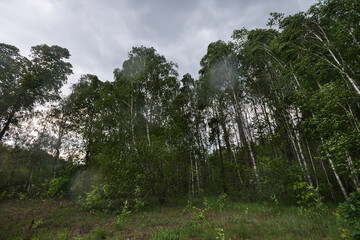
(209, 219)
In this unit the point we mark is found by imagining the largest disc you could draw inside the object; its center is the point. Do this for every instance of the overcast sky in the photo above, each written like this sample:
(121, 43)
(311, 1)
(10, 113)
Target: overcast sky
(100, 33)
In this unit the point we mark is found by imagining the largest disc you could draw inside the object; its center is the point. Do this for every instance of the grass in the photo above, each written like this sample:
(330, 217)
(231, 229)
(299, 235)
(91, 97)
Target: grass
(49, 219)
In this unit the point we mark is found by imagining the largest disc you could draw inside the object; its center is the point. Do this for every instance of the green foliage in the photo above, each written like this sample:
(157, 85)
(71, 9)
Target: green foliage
(165, 234)
(125, 214)
(222, 200)
(220, 235)
(96, 199)
(309, 198)
(58, 187)
(199, 214)
(30, 81)
(83, 182)
(348, 215)
(311, 204)
(17, 164)
(139, 203)
(100, 234)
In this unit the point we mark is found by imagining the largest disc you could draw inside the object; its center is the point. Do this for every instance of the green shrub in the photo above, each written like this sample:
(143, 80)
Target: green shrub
(312, 205)
(309, 199)
(348, 216)
(139, 202)
(125, 214)
(199, 214)
(57, 187)
(222, 200)
(96, 199)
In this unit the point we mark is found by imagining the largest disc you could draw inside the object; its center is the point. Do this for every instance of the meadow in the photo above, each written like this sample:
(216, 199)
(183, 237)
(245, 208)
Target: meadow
(205, 218)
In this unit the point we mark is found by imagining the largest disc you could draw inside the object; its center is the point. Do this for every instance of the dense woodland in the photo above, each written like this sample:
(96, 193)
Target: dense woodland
(274, 113)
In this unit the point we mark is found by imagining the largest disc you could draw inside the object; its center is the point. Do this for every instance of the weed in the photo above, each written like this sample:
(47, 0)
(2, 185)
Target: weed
(165, 234)
(100, 234)
(222, 201)
(220, 235)
(64, 220)
(348, 215)
(125, 213)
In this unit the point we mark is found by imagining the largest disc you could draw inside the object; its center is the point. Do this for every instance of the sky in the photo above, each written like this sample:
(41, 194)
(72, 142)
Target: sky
(100, 33)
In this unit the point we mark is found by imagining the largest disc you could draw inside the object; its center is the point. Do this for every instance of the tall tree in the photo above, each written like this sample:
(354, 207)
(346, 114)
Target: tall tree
(27, 82)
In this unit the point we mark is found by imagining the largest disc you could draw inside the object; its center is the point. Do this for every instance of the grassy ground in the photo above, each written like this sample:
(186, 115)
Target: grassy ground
(65, 220)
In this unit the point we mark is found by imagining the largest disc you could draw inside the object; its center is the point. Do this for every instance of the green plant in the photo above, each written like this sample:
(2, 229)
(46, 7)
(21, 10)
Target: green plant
(139, 202)
(273, 207)
(312, 205)
(100, 234)
(247, 211)
(57, 187)
(274, 199)
(96, 198)
(348, 215)
(165, 234)
(220, 235)
(200, 213)
(3, 195)
(125, 214)
(189, 205)
(309, 199)
(222, 201)
(191, 230)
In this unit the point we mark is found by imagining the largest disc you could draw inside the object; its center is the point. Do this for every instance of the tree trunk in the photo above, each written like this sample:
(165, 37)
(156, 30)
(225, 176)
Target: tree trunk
(312, 162)
(338, 179)
(226, 139)
(7, 124)
(197, 176)
(297, 139)
(57, 153)
(221, 165)
(353, 172)
(30, 177)
(243, 139)
(332, 191)
(341, 185)
(132, 117)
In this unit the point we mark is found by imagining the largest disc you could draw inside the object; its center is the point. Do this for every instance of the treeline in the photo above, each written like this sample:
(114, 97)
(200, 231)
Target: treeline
(275, 113)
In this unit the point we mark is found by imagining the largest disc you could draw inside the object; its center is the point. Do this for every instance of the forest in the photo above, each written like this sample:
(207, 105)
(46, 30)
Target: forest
(273, 118)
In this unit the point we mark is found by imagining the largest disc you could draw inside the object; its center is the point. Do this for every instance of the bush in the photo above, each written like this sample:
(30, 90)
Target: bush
(125, 214)
(139, 202)
(348, 215)
(97, 198)
(58, 187)
(309, 199)
(222, 200)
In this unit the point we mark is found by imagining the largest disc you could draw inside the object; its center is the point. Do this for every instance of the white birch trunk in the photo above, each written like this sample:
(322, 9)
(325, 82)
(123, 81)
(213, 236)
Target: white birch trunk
(353, 172)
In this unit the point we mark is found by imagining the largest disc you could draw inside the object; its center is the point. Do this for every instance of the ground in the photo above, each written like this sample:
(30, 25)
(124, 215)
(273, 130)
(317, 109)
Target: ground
(50, 219)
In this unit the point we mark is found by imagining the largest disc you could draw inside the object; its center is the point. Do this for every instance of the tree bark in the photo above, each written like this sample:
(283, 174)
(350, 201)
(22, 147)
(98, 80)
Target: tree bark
(221, 165)
(57, 153)
(7, 124)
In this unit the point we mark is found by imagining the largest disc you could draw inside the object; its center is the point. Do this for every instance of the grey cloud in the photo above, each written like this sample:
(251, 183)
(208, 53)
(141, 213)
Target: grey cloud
(99, 34)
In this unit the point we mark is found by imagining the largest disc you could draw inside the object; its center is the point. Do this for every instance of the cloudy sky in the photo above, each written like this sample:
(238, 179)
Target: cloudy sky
(100, 33)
